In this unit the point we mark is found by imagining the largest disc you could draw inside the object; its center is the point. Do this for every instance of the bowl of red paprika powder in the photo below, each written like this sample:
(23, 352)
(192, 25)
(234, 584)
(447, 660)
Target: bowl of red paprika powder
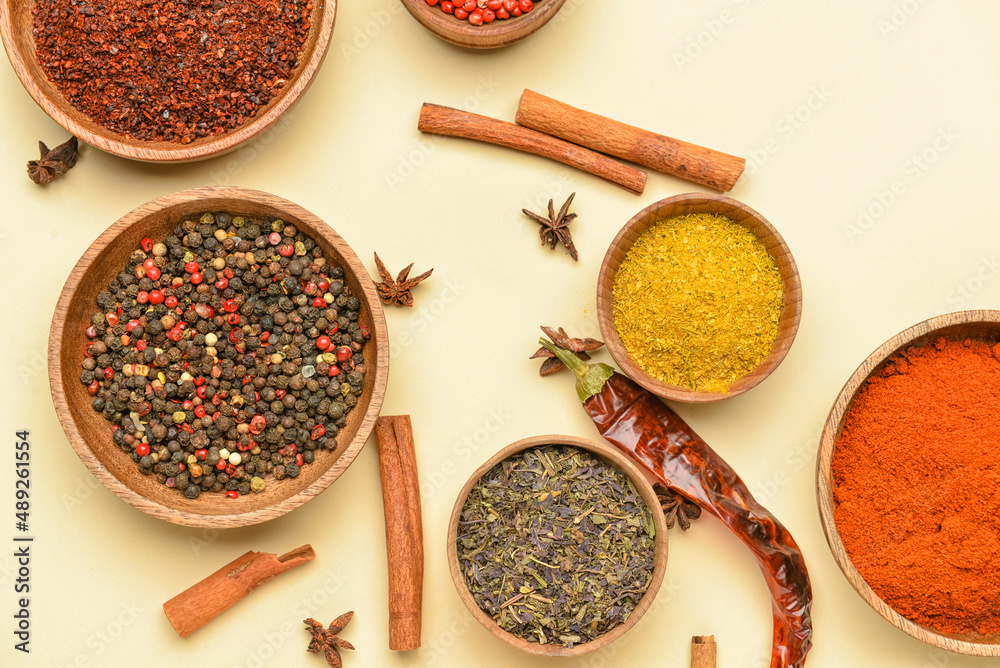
(907, 476)
(90, 434)
(482, 24)
(166, 83)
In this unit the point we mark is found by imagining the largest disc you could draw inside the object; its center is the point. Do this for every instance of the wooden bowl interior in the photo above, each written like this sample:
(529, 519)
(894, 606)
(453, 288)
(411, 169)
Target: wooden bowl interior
(90, 433)
(609, 455)
(791, 310)
(487, 36)
(16, 28)
(976, 325)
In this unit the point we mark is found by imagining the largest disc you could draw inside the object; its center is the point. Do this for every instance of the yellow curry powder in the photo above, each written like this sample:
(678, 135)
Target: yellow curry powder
(697, 300)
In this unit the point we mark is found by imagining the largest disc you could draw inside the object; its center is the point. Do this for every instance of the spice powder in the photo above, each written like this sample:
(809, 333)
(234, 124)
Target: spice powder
(697, 300)
(916, 480)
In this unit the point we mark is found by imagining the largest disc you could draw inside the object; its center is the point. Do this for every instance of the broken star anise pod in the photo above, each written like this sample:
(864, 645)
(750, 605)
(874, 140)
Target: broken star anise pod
(326, 640)
(397, 291)
(53, 163)
(676, 508)
(555, 228)
(561, 339)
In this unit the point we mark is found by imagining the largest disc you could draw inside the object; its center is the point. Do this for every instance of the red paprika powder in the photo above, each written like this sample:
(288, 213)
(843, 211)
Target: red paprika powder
(916, 474)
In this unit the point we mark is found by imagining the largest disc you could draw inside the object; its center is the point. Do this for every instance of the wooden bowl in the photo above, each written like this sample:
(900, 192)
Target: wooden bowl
(679, 205)
(16, 31)
(645, 489)
(977, 325)
(90, 434)
(487, 36)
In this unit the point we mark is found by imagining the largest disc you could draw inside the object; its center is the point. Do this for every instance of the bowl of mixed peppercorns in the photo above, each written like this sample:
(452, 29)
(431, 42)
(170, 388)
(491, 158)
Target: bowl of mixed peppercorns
(218, 357)
(483, 24)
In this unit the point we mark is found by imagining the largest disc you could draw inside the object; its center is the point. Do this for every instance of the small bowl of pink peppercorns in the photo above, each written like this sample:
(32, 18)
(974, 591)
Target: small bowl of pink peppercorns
(483, 24)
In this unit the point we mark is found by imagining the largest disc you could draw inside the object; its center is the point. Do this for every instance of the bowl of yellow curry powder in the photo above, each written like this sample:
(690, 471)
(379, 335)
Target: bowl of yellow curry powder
(698, 298)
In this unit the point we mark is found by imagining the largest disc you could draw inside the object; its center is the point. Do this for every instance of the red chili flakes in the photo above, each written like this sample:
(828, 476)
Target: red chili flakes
(173, 71)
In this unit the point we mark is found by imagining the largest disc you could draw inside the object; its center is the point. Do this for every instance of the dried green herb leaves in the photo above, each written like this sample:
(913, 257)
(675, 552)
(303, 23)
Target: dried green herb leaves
(556, 545)
(53, 163)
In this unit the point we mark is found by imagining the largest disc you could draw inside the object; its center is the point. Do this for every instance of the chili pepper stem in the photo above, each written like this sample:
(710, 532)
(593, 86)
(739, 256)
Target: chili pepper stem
(590, 378)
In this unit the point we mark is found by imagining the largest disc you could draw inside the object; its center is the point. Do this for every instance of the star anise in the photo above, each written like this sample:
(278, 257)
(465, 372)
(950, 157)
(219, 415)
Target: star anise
(556, 227)
(326, 640)
(397, 291)
(53, 163)
(561, 339)
(676, 508)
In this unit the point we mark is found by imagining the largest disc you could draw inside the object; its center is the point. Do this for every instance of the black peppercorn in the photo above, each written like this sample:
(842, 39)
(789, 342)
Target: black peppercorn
(199, 378)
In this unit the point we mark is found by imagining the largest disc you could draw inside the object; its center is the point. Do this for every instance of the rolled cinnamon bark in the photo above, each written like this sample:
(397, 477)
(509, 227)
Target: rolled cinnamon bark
(404, 537)
(703, 652)
(664, 154)
(201, 603)
(440, 120)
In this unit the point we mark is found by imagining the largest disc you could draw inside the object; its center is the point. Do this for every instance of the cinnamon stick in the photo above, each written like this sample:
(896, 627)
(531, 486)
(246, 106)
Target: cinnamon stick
(440, 120)
(404, 534)
(201, 603)
(703, 652)
(664, 154)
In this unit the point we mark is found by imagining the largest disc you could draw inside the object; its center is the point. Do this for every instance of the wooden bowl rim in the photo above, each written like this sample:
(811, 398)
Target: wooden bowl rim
(791, 312)
(337, 466)
(915, 335)
(642, 485)
(492, 36)
(167, 152)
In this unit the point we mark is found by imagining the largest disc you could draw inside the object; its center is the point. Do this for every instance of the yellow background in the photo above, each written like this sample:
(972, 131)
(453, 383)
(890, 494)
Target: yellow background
(870, 131)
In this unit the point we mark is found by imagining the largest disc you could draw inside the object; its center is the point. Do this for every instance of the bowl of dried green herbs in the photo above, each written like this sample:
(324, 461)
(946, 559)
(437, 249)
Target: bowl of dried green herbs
(698, 298)
(557, 545)
(218, 357)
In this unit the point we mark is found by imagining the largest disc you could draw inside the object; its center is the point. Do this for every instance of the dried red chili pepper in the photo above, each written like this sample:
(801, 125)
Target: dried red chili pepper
(638, 423)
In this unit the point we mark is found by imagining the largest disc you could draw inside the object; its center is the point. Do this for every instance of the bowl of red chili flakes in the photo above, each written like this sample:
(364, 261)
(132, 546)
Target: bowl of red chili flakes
(173, 82)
